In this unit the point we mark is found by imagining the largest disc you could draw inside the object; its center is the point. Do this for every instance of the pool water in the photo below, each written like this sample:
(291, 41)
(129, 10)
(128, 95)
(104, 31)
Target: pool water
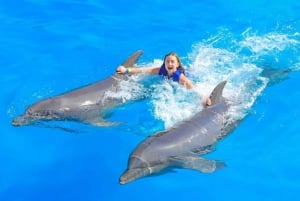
(50, 47)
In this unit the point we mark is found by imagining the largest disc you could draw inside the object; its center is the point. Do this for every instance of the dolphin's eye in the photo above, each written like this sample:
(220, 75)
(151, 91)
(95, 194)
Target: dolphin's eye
(29, 112)
(35, 114)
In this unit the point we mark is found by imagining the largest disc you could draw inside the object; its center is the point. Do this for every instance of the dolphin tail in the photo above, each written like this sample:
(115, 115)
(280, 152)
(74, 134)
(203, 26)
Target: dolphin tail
(132, 59)
(216, 94)
(276, 75)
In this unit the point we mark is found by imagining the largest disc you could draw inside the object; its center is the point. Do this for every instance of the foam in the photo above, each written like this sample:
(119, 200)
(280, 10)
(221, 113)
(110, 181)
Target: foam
(207, 65)
(173, 103)
(267, 43)
(128, 90)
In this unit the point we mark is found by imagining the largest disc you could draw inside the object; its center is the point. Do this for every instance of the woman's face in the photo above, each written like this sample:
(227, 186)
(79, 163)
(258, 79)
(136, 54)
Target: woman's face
(171, 64)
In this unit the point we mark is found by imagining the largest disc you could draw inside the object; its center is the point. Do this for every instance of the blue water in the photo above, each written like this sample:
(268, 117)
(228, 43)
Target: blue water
(49, 47)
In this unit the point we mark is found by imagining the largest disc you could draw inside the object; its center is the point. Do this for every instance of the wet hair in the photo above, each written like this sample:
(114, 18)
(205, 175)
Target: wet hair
(178, 59)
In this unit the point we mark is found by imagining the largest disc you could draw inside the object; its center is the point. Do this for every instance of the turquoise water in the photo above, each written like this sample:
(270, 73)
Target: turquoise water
(49, 47)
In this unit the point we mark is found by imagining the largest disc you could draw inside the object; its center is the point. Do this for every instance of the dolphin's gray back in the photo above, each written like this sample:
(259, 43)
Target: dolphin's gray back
(95, 93)
(191, 136)
(200, 131)
(97, 90)
(92, 92)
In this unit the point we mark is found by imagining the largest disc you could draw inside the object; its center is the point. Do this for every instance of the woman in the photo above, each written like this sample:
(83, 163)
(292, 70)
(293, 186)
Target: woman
(171, 69)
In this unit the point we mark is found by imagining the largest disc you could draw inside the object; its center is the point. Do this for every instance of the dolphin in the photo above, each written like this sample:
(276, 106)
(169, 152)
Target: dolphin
(86, 104)
(182, 145)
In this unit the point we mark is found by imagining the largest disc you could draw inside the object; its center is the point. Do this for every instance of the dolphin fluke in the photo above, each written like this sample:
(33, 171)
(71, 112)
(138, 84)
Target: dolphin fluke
(132, 59)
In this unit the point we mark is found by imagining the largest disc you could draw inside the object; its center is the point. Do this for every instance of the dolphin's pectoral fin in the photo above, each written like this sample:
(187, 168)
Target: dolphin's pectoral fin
(99, 119)
(196, 163)
(101, 122)
(104, 123)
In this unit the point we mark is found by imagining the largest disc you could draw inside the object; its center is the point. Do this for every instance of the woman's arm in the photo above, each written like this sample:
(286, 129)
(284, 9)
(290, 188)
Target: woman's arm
(185, 81)
(134, 70)
(189, 85)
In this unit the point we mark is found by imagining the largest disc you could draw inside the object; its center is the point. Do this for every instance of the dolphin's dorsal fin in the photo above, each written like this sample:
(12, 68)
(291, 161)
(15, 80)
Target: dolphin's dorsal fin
(132, 59)
(216, 94)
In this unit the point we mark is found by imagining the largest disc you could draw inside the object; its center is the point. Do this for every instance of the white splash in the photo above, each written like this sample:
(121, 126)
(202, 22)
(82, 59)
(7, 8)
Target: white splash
(173, 103)
(210, 62)
(128, 90)
(269, 42)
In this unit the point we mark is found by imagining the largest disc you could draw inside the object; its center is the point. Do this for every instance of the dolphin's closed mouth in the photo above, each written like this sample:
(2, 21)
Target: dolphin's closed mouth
(20, 121)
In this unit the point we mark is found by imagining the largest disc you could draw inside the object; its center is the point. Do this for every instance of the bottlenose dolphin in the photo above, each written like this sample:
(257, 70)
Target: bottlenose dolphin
(85, 104)
(181, 146)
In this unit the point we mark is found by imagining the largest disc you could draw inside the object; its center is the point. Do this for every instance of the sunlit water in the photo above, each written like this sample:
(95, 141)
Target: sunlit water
(50, 47)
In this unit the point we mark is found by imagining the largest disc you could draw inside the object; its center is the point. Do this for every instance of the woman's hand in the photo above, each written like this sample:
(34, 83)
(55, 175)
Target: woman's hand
(207, 102)
(121, 70)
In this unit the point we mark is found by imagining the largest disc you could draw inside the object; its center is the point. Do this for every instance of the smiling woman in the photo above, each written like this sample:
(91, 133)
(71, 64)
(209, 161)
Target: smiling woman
(170, 69)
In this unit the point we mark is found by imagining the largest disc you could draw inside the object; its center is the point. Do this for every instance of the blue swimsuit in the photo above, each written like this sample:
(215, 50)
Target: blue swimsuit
(175, 76)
